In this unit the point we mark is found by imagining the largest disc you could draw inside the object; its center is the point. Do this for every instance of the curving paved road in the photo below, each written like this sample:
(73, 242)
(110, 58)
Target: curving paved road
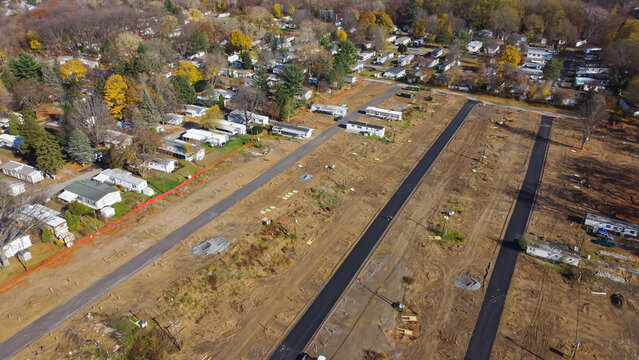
(58, 315)
(314, 316)
(481, 342)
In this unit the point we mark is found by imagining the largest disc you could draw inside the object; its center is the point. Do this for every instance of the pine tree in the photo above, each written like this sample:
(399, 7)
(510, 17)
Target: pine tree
(260, 79)
(25, 66)
(80, 147)
(220, 102)
(14, 125)
(50, 75)
(98, 89)
(31, 133)
(148, 116)
(184, 91)
(292, 77)
(48, 154)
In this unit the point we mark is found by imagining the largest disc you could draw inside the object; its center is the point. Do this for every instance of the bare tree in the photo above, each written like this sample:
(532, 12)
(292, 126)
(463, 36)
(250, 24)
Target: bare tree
(13, 219)
(28, 93)
(593, 112)
(249, 99)
(377, 35)
(211, 66)
(90, 115)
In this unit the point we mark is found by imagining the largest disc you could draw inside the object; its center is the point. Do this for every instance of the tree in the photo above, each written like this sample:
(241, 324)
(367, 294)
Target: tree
(290, 9)
(552, 69)
(380, 18)
(128, 43)
(80, 147)
(277, 10)
(260, 79)
(247, 62)
(28, 93)
(14, 125)
(148, 115)
(377, 35)
(168, 24)
(49, 155)
(165, 99)
(25, 66)
(239, 42)
(212, 117)
(593, 112)
(412, 11)
(195, 15)
(13, 224)
(168, 6)
(402, 48)
(444, 30)
(50, 76)
(190, 71)
(419, 28)
(249, 99)
(91, 116)
(199, 41)
(184, 91)
(142, 149)
(292, 78)
(220, 6)
(73, 68)
(340, 35)
(211, 65)
(220, 102)
(504, 20)
(510, 55)
(115, 95)
(346, 53)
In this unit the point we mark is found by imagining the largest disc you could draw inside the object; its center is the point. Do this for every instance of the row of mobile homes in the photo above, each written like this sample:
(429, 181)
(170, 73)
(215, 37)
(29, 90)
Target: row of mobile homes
(125, 179)
(596, 222)
(91, 193)
(333, 110)
(384, 114)
(364, 128)
(21, 171)
(297, 132)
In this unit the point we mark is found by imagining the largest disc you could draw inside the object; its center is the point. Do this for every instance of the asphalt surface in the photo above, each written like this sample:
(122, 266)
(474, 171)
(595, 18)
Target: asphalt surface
(58, 315)
(481, 342)
(303, 331)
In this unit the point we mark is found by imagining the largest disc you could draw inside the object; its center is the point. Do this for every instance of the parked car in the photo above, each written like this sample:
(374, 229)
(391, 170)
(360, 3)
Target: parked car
(606, 241)
(339, 118)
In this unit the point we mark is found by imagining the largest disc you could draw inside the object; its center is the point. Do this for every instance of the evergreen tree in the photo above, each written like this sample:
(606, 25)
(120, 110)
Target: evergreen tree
(199, 41)
(220, 102)
(184, 91)
(48, 154)
(247, 62)
(260, 79)
(8, 78)
(292, 78)
(107, 45)
(346, 53)
(411, 11)
(148, 116)
(50, 75)
(25, 66)
(402, 48)
(30, 132)
(98, 89)
(14, 125)
(80, 147)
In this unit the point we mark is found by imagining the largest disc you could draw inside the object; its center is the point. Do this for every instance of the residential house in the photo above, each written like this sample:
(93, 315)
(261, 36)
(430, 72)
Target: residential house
(553, 252)
(161, 164)
(540, 55)
(474, 46)
(533, 70)
(286, 57)
(125, 179)
(447, 65)
(591, 69)
(350, 79)
(231, 128)
(227, 95)
(49, 217)
(10, 141)
(439, 52)
(181, 150)
(306, 94)
(592, 53)
(357, 67)
(395, 73)
(173, 119)
(233, 58)
(12, 188)
(404, 60)
(384, 57)
(297, 132)
(595, 222)
(239, 117)
(17, 246)
(194, 110)
(487, 34)
(404, 40)
(91, 193)
(21, 171)
(384, 114)
(203, 136)
(425, 62)
(115, 138)
(367, 129)
(492, 48)
(391, 38)
(333, 110)
(365, 56)
(587, 83)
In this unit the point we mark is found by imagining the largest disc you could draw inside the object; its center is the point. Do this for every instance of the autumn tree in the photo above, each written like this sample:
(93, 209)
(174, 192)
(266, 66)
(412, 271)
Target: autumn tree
(91, 116)
(211, 66)
(142, 149)
(249, 100)
(239, 42)
(377, 35)
(510, 56)
(380, 18)
(504, 20)
(190, 71)
(290, 9)
(220, 6)
(277, 10)
(195, 15)
(419, 28)
(444, 30)
(28, 93)
(115, 95)
(340, 35)
(128, 43)
(73, 68)
(165, 99)
(593, 112)
(211, 119)
(168, 24)
(80, 147)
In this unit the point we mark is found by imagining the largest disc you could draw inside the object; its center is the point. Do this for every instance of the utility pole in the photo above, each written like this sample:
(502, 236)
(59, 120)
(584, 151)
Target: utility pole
(166, 332)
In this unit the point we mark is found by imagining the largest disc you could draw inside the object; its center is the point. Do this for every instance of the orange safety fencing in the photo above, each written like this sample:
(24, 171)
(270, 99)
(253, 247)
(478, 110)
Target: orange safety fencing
(117, 221)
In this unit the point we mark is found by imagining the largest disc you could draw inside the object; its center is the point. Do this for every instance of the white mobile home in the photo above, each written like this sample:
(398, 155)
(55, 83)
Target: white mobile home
(382, 58)
(125, 179)
(474, 46)
(90, 193)
(22, 172)
(49, 217)
(231, 128)
(384, 114)
(203, 136)
(405, 59)
(161, 164)
(173, 119)
(10, 141)
(329, 109)
(365, 56)
(297, 132)
(404, 40)
(552, 252)
(395, 72)
(181, 150)
(20, 243)
(365, 128)
(194, 110)
(12, 188)
(595, 222)
(239, 117)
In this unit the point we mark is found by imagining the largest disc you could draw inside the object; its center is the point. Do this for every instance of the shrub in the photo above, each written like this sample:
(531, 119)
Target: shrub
(73, 221)
(79, 209)
(45, 234)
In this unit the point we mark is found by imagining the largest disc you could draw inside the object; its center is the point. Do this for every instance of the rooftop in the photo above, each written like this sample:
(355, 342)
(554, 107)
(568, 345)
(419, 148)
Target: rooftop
(90, 189)
(365, 124)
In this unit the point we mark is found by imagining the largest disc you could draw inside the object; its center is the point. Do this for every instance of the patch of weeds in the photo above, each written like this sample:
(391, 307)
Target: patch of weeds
(325, 200)
(379, 138)
(257, 145)
(450, 236)
(235, 257)
(342, 187)
(456, 202)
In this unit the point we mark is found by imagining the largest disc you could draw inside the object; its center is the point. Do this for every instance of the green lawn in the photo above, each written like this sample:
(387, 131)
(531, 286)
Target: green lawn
(129, 201)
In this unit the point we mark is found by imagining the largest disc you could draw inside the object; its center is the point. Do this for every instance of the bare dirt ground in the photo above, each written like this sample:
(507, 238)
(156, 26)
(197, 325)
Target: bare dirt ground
(477, 176)
(42, 290)
(550, 308)
(237, 305)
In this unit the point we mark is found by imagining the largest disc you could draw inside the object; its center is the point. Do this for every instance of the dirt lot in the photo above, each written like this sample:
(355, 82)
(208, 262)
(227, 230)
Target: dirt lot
(223, 305)
(477, 176)
(68, 275)
(549, 309)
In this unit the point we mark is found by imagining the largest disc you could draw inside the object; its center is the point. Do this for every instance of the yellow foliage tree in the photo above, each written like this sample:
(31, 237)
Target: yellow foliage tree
(115, 95)
(419, 28)
(445, 23)
(277, 10)
(510, 55)
(3, 56)
(196, 15)
(239, 41)
(168, 24)
(290, 9)
(73, 68)
(35, 45)
(220, 6)
(341, 35)
(187, 68)
(212, 117)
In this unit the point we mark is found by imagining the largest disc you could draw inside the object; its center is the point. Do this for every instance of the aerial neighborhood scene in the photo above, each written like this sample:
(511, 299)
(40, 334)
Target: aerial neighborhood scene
(313, 180)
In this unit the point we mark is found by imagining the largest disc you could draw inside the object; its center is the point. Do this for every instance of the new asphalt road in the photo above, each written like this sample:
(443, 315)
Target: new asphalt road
(55, 317)
(314, 316)
(481, 342)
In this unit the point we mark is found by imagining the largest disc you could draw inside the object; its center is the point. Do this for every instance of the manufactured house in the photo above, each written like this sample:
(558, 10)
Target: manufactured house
(588, 83)
(382, 58)
(492, 48)
(12, 188)
(553, 252)
(365, 56)
(404, 40)
(364, 128)
(10, 141)
(541, 55)
(357, 68)
(161, 164)
(429, 62)
(239, 117)
(395, 73)
(297, 132)
(391, 38)
(231, 128)
(204, 136)
(447, 65)
(50, 218)
(417, 43)
(305, 94)
(595, 222)
(439, 52)
(125, 179)
(329, 109)
(384, 114)
(91, 193)
(181, 150)
(227, 95)
(115, 138)
(21, 171)
(404, 60)
(591, 69)
(172, 119)
(348, 79)
(487, 34)
(20, 244)
(194, 110)
(474, 46)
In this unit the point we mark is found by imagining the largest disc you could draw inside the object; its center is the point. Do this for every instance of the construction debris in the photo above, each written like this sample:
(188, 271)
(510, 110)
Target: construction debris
(306, 177)
(211, 246)
(467, 283)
